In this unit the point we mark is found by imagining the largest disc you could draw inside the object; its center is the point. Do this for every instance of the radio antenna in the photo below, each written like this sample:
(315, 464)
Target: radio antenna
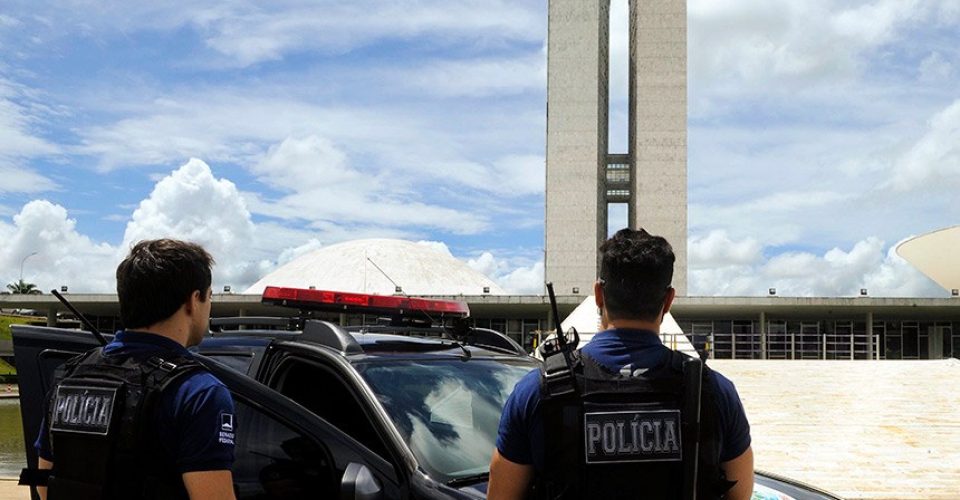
(86, 322)
(398, 287)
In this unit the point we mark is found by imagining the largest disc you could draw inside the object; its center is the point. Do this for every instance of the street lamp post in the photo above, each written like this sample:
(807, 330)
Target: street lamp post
(21, 264)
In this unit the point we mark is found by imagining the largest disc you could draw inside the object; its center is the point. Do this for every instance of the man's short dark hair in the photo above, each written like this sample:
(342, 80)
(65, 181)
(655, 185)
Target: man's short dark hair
(158, 277)
(637, 269)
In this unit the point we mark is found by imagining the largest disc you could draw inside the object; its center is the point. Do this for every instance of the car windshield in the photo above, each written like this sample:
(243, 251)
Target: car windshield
(447, 410)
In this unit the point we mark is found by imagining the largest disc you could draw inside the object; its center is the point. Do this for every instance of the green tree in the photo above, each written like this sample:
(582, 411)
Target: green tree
(24, 288)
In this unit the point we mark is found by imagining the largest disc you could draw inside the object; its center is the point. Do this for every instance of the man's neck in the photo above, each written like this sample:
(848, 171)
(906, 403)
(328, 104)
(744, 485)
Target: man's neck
(633, 324)
(168, 329)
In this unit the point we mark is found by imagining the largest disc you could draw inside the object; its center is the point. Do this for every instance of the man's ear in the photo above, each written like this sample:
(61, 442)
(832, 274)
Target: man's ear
(668, 300)
(598, 294)
(192, 302)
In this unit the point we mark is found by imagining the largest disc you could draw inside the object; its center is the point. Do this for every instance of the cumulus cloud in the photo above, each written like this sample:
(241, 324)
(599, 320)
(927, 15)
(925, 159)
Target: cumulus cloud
(718, 250)
(515, 276)
(192, 204)
(62, 255)
(524, 280)
(724, 267)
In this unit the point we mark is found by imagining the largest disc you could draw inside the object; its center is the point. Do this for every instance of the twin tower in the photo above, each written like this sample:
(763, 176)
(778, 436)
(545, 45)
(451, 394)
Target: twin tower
(583, 176)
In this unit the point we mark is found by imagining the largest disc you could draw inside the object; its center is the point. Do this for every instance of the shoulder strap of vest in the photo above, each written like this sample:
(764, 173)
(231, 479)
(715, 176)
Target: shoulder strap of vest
(558, 375)
(164, 371)
(713, 483)
(559, 411)
(68, 366)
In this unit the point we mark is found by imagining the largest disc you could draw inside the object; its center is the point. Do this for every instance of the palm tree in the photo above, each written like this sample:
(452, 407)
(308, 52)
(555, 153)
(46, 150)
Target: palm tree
(24, 288)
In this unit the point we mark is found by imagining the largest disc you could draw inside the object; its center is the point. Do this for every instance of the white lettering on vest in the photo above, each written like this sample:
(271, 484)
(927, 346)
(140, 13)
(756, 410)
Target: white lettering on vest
(670, 436)
(622, 447)
(645, 429)
(609, 438)
(593, 436)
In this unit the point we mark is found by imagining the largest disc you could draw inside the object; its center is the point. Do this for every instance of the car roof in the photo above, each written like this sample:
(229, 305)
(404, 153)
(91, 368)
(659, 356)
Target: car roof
(363, 342)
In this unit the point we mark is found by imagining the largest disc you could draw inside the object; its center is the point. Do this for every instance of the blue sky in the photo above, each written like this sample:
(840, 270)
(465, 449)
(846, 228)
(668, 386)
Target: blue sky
(821, 133)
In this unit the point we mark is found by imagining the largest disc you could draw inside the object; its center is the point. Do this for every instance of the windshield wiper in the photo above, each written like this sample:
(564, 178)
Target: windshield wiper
(463, 481)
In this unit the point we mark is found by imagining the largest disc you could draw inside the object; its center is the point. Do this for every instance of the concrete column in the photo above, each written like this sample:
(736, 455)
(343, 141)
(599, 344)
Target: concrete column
(870, 347)
(658, 124)
(52, 317)
(343, 319)
(577, 106)
(763, 335)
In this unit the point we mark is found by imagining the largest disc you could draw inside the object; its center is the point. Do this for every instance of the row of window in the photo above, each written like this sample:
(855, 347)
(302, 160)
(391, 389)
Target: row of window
(842, 339)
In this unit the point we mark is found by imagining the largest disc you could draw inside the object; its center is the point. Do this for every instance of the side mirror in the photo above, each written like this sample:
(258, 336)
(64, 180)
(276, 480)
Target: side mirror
(359, 483)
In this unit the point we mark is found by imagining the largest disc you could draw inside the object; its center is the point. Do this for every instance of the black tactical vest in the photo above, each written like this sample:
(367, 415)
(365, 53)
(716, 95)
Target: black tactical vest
(101, 418)
(650, 433)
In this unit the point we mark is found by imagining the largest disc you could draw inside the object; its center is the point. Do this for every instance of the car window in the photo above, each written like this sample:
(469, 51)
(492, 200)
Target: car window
(326, 394)
(273, 461)
(238, 361)
(447, 410)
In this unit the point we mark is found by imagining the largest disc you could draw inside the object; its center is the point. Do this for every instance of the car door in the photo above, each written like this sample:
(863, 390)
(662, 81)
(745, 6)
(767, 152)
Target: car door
(285, 451)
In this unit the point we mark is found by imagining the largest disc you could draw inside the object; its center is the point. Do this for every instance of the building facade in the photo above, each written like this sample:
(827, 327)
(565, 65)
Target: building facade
(719, 327)
(583, 176)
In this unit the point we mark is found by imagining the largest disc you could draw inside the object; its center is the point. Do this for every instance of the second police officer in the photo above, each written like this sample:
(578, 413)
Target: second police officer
(606, 421)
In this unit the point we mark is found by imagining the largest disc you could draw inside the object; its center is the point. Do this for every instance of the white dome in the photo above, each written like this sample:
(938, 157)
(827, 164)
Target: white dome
(352, 266)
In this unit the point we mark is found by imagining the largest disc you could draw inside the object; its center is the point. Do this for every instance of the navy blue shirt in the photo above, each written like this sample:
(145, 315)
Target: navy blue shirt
(195, 421)
(520, 439)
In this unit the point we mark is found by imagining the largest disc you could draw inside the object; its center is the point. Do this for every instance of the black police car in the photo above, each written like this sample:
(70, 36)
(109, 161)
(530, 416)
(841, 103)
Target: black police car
(404, 409)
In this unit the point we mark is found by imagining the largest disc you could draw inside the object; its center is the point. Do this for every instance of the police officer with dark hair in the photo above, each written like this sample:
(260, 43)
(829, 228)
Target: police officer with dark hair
(140, 417)
(619, 418)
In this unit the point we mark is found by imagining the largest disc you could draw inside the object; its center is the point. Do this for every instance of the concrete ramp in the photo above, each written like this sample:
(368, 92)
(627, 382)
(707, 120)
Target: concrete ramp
(859, 429)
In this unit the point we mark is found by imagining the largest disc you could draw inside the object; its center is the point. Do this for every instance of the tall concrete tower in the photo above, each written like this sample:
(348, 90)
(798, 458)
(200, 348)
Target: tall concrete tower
(583, 177)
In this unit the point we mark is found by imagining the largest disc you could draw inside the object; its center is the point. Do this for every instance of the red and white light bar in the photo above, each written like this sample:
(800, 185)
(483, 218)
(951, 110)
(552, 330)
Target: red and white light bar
(361, 303)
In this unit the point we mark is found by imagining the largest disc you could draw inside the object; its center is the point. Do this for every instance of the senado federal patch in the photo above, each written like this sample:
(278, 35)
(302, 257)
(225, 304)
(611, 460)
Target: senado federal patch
(83, 409)
(632, 436)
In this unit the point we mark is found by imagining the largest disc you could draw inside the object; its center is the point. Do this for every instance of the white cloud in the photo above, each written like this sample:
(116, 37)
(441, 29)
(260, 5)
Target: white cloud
(400, 143)
(515, 276)
(17, 179)
(63, 256)
(935, 68)
(718, 250)
(292, 253)
(795, 44)
(191, 204)
(253, 35)
(524, 280)
(6, 21)
(934, 161)
(479, 78)
(247, 34)
(19, 142)
(326, 188)
(720, 266)
(485, 264)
